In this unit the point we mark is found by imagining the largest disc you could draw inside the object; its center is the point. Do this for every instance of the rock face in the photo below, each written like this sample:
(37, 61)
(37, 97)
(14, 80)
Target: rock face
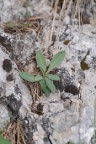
(67, 116)
(4, 117)
(13, 92)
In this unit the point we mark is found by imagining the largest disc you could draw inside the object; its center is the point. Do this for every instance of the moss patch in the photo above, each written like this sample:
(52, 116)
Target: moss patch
(83, 64)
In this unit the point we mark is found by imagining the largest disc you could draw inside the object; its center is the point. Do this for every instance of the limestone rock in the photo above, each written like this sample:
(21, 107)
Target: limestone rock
(13, 92)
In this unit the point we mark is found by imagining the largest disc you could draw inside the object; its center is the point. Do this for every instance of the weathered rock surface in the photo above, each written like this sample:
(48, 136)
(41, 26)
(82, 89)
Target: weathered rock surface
(4, 117)
(13, 92)
(68, 115)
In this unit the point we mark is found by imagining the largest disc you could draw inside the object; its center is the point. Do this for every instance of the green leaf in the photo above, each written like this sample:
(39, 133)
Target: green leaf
(41, 62)
(4, 141)
(56, 60)
(53, 77)
(38, 78)
(44, 88)
(27, 77)
(50, 85)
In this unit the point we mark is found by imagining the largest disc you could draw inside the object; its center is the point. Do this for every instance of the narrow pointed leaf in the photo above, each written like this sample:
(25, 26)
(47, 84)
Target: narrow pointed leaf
(38, 78)
(53, 77)
(44, 88)
(50, 85)
(27, 77)
(4, 141)
(56, 60)
(41, 62)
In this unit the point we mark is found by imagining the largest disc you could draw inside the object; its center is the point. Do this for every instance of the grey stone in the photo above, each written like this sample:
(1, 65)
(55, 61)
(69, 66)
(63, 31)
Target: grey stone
(4, 117)
(68, 115)
(67, 20)
(13, 93)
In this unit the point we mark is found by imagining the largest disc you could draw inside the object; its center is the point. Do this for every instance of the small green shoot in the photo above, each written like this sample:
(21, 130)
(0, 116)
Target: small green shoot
(46, 79)
(4, 141)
